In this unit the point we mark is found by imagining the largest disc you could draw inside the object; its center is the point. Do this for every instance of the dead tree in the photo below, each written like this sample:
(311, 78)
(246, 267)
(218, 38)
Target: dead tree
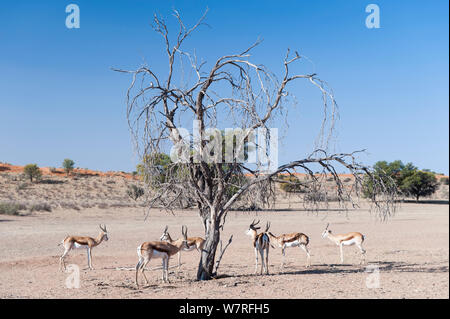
(232, 92)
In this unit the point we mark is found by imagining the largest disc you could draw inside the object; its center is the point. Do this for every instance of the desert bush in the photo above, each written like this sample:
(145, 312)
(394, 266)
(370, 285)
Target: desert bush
(134, 191)
(444, 180)
(316, 197)
(291, 184)
(102, 205)
(67, 205)
(32, 171)
(21, 186)
(391, 174)
(11, 208)
(419, 184)
(68, 165)
(347, 179)
(119, 205)
(86, 205)
(40, 207)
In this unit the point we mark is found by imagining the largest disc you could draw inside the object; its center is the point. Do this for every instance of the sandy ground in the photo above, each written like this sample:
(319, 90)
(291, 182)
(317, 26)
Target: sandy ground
(410, 251)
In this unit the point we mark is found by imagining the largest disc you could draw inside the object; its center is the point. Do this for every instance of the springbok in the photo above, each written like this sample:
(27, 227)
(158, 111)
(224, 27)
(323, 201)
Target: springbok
(159, 249)
(261, 242)
(347, 239)
(192, 243)
(76, 242)
(292, 240)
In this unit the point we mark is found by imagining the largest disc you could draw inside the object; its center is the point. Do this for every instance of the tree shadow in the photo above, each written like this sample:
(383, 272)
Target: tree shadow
(426, 201)
(387, 266)
(51, 181)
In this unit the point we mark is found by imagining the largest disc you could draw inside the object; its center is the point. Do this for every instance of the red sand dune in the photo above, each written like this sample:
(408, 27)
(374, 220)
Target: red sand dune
(8, 168)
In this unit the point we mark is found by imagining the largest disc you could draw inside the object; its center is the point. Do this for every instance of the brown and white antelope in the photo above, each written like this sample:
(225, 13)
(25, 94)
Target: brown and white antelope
(77, 242)
(159, 249)
(292, 240)
(347, 239)
(261, 243)
(192, 243)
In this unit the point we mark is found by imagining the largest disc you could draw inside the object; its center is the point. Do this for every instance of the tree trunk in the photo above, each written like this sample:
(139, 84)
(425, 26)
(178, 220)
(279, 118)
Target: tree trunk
(208, 254)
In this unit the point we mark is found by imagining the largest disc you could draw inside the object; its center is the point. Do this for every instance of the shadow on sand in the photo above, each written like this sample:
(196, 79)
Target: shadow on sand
(387, 266)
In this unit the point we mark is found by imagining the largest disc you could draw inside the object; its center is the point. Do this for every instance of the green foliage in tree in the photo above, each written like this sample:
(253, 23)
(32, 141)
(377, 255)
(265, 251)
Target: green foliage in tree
(419, 184)
(291, 184)
(384, 171)
(68, 165)
(153, 168)
(32, 171)
(407, 178)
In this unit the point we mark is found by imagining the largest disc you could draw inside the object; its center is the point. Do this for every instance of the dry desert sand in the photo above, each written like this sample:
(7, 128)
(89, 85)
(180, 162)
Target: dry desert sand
(411, 251)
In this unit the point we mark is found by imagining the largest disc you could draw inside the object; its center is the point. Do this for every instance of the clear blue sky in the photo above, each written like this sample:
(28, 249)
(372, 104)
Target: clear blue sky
(59, 98)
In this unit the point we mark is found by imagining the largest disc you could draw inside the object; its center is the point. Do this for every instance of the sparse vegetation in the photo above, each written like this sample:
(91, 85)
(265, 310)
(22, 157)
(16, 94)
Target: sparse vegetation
(444, 180)
(159, 164)
(419, 184)
(40, 207)
(291, 184)
(22, 186)
(134, 191)
(32, 171)
(11, 208)
(68, 166)
(408, 179)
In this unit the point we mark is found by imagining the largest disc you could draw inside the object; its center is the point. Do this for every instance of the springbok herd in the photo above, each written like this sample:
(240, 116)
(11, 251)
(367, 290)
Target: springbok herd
(167, 247)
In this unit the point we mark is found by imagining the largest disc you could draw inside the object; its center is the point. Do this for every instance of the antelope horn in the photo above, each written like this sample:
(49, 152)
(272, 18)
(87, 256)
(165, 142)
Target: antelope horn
(327, 226)
(267, 226)
(102, 227)
(165, 229)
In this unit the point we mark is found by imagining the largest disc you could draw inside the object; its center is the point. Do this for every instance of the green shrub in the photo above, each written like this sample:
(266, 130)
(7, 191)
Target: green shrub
(390, 174)
(316, 196)
(11, 208)
(291, 184)
(419, 184)
(32, 171)
(68, 165)
(444, 180)
(22, 186)
(135, 191)
(40, 207)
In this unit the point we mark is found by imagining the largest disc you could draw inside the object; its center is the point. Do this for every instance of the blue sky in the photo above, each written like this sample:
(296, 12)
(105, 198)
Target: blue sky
(59, 99)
